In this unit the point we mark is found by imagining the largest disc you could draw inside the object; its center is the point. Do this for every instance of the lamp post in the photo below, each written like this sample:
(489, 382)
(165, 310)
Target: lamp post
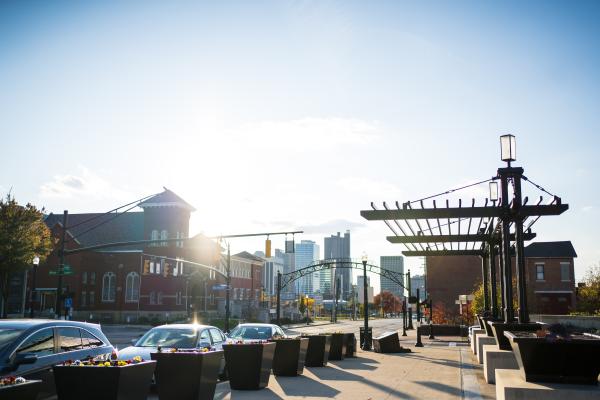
(307, 309)
(36, 262)
(366, 343)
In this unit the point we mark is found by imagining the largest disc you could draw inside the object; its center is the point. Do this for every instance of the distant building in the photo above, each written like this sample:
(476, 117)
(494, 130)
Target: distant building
(550, 278)
(307, 251)
(338, 247)
(272, 266)
(127, 283)
(417, 282)
(360, 289)
(395, 264)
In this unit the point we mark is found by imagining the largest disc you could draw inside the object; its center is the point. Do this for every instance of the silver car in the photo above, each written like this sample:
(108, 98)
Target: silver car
(180, 336)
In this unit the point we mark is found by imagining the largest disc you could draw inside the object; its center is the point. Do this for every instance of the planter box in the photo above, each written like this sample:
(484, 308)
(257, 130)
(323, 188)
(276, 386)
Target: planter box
(290, 355)
(187, 376)
(573, 360)
(350, 339)
(481, 322)
(317, 353)
(389, 342)
(499, 327)
(21, 391)
(249, 365)
(130, 382)
(338, 347)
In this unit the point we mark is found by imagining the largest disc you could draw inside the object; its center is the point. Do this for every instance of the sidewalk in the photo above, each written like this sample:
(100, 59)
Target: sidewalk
(440, 370)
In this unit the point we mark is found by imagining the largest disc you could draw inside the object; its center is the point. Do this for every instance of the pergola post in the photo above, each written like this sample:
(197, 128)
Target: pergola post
(486, 293)
(520, 254)
(494, 290)
(501, 280)
(505, 244)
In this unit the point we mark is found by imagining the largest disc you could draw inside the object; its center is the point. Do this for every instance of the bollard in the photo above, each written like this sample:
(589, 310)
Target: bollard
(431, 331)
(419, 342)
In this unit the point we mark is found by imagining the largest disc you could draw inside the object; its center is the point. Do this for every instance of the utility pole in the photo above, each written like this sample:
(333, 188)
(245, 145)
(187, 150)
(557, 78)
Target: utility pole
(61, 265)
(228, 289)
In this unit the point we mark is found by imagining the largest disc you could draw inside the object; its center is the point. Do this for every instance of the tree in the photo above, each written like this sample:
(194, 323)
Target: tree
(302, 305)
(23, 235)
(588, 294)
(387, 301)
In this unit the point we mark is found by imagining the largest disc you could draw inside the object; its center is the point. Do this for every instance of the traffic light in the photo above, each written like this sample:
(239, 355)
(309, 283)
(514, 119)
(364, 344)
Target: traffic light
(268, 248)
(146, 270)
(168, 269)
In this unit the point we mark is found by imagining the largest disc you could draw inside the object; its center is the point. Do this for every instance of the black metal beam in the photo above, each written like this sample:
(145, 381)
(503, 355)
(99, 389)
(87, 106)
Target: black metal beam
(443, 253)
(452, 238)
(459, 212)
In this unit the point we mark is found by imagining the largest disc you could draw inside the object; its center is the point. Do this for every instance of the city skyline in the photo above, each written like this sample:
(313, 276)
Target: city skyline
(329, 106)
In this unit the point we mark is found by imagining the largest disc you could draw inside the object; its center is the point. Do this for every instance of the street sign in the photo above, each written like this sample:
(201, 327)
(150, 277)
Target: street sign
(68, 302)
(221, 286)
(56, 272)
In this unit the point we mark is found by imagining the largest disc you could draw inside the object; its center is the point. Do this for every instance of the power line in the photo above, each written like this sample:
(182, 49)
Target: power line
(452, 190)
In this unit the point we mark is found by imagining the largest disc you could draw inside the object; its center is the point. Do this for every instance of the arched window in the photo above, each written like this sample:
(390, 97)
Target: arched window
(164, 235)
(159, 299)
(132, 287)
(109, 287)
(152, 298)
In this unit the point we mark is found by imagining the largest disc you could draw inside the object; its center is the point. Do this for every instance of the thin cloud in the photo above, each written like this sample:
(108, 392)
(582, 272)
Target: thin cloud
(331, 227)
(83, 184)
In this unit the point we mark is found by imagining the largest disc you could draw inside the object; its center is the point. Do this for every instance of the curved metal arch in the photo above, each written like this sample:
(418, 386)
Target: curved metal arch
(320, 265)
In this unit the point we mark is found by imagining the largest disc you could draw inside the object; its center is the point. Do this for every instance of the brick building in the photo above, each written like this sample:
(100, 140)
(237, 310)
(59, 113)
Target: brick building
(126, 283)
(550, 278)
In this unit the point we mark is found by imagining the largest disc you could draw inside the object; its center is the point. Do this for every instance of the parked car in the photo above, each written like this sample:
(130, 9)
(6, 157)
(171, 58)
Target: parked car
(180, 336)
(250, 332)
(30, 347)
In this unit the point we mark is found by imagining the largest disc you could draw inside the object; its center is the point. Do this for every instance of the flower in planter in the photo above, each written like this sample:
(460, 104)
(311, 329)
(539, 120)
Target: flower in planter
(12, 380)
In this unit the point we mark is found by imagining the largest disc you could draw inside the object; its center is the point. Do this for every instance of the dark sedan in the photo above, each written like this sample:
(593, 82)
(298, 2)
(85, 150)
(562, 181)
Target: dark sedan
(30, 347)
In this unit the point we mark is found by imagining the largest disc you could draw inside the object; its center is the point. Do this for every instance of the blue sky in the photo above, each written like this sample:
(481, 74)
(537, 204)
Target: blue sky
(298, 114)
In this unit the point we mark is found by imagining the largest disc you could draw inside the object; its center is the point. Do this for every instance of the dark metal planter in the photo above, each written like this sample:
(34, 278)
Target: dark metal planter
(21, 391)
(130, 382)
(290, 355)
(481, 322)
(187, 376)
(389, 342)
(486, 325)
(573, 360)
(350, 339)
(500, 327)
(249, 365)
(317, 353)
(338, 347)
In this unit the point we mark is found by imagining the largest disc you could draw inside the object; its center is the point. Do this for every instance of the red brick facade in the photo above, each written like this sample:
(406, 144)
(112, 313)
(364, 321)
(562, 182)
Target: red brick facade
(450, 277)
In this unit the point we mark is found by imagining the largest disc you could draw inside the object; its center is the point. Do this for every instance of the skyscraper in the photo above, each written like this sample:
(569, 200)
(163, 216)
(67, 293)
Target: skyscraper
(307, 251)
(337, 247)
(395, 264)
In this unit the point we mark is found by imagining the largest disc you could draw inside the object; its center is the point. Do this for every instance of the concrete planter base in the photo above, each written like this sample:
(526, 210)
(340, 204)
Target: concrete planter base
(482, 340)
(494, 359)
(510, 385)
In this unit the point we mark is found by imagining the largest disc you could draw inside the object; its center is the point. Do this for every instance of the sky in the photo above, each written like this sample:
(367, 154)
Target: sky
(296, 115)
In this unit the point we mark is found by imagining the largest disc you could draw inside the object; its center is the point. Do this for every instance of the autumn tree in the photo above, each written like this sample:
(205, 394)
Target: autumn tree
(387, 301)
(23, 235)
(588, 294)
(302, 305)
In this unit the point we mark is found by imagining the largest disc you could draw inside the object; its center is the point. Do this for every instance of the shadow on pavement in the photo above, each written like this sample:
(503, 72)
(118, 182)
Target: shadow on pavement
(336, 374)
(304, 386)
(448, 389)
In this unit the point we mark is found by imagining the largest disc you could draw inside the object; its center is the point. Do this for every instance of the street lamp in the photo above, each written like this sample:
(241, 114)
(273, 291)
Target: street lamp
(508, 148)
(36, 262)
(366, 345)
(307, 309)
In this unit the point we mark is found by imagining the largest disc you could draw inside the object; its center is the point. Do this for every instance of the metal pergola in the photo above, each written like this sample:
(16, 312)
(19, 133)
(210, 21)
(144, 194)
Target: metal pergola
(485, 230)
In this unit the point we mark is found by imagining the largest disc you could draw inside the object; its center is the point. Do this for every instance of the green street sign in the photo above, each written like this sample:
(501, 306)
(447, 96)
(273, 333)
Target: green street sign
(69, 272)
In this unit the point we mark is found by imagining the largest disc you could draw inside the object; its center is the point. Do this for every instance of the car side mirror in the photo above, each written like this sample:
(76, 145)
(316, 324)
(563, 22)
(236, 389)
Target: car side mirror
(25, 359)
(204, 344)
(133, 341)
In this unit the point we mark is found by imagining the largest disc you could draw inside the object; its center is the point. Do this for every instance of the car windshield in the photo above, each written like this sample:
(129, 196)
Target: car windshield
(7, 335)
(252, 332)
(169, 337)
